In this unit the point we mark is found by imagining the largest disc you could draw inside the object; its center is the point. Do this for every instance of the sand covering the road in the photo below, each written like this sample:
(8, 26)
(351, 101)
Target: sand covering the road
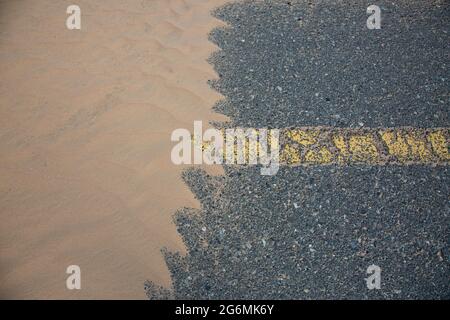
(85, 123)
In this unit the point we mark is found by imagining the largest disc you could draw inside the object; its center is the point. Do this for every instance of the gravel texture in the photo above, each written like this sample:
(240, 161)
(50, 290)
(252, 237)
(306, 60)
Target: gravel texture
(311, 232)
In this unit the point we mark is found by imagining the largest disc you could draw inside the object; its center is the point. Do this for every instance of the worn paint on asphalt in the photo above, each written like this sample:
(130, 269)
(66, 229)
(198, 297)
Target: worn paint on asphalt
(372, 146)
(365, 146)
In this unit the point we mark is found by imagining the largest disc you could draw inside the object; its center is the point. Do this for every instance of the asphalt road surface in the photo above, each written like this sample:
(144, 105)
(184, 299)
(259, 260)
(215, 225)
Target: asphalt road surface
(311, 232)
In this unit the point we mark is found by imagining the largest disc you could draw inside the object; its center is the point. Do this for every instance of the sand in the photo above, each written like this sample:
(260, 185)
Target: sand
(85, 123)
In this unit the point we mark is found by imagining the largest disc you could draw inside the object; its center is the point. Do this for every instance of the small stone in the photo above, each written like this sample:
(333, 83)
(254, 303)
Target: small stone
(440, 257)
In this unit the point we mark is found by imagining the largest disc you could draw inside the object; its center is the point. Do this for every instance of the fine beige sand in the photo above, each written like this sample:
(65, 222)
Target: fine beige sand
(85, 123)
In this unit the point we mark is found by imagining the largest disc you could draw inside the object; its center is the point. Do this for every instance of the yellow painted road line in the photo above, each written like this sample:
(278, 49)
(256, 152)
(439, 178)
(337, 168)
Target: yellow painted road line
(378, 146)
(371, 146)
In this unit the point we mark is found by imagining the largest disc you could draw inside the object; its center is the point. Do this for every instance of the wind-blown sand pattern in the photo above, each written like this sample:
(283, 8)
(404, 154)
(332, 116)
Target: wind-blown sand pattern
(85, 123)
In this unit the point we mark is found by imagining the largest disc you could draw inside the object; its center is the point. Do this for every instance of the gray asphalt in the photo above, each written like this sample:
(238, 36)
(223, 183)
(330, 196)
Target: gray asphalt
(311, 232)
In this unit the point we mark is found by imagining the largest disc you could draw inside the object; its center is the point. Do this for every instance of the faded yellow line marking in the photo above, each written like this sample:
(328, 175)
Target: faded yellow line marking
(344, 146)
